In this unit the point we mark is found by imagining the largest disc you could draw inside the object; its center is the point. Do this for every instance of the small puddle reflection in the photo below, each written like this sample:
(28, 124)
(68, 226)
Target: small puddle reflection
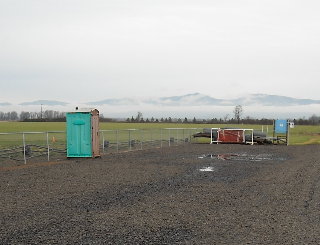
(206, 169)
(243, 157)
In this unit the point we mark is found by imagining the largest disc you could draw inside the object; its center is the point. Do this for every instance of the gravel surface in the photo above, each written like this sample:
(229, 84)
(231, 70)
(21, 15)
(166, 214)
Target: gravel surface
(243, 195)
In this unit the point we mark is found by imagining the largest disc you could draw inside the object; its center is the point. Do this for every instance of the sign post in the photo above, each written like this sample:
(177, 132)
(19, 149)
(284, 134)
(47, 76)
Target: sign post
(281, 131)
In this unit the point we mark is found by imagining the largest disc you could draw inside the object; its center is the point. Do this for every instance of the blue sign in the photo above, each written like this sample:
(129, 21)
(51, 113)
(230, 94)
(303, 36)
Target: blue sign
(281, 126)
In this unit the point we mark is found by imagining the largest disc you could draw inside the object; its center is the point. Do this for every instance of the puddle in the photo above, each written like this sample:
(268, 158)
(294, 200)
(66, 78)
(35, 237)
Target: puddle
(206, 169)
(243, 157)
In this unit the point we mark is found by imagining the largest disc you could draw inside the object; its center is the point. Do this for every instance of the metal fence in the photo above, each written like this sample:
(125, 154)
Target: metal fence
(22, 147)
(45, 146)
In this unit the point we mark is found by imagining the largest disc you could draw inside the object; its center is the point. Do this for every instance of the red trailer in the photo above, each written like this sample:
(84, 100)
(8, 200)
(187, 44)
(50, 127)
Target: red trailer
(231, 136)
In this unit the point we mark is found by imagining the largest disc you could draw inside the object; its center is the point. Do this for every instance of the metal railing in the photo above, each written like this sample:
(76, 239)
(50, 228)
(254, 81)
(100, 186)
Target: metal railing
(46, 146)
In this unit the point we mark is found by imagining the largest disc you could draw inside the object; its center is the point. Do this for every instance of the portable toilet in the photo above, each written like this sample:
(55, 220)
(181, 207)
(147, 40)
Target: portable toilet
(83, 133)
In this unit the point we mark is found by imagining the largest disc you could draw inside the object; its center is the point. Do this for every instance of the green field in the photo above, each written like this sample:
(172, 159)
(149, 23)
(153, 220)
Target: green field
(298, 136)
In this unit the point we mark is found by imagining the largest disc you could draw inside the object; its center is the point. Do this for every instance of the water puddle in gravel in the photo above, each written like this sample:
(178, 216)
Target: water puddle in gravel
(206, 169)
(243, 157)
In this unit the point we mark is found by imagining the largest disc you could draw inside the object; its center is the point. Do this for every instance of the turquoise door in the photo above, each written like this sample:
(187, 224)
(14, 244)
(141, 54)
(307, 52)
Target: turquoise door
(79, 135)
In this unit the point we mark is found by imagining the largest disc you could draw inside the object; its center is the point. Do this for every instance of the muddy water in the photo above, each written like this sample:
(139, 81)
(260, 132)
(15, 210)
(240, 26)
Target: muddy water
(243, 157)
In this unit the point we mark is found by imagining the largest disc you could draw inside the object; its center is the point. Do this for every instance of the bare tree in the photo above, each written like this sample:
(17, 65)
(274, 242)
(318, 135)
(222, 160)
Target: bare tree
(238, 113)
(139, 116)
(24, 115)
(314, 119)
(226, 117)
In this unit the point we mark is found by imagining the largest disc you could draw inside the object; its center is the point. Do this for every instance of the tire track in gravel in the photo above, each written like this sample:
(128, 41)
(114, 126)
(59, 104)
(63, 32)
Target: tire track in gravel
(72, 218)
(58, 212)
(97, 201)
(314, 187)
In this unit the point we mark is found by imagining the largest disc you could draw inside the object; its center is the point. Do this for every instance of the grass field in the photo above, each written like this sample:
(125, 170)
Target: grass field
(298, 136)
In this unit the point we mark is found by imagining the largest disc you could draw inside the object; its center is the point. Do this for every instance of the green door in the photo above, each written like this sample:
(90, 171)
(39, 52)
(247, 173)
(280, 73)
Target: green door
(79, 135)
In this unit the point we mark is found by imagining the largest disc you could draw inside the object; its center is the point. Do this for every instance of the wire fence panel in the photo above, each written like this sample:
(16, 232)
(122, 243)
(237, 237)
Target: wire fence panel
(56, 144)
(11, 147)
(21, 147)
(46, 146)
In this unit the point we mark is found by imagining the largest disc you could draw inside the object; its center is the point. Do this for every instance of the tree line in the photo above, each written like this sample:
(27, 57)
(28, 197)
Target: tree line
(313, 120)
(54, 116)
(48, 115)
(237, 119)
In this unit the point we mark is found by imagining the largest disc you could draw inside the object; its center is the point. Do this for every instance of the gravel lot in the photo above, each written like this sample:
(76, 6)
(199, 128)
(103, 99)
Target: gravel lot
(247, 195)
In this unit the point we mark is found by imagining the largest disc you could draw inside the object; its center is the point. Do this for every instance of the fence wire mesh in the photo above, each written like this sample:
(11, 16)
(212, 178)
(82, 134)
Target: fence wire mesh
(46, 146)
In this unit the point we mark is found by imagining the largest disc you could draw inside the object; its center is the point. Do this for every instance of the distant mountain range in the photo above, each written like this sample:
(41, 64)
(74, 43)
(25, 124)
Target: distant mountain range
(195, 99)
(45, 102)
(198, 99)
(4, 104)
(123, 101)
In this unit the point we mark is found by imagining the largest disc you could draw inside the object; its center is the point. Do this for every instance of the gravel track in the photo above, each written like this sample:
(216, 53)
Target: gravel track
(256, 195)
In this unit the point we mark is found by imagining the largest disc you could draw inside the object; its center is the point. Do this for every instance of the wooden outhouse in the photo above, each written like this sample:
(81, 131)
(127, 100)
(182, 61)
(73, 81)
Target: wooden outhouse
(83, 133)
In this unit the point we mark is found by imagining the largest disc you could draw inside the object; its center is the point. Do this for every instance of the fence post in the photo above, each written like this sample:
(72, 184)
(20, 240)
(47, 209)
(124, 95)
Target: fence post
(141, 137)
(177, 136)
(161, 137)
(183, 136)
(117, 138)
(48, 146)
(102, 142)
(24, 148)
(129, 140)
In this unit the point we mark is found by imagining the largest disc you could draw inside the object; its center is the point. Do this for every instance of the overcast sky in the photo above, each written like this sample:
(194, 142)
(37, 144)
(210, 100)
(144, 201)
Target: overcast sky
(81, 50)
